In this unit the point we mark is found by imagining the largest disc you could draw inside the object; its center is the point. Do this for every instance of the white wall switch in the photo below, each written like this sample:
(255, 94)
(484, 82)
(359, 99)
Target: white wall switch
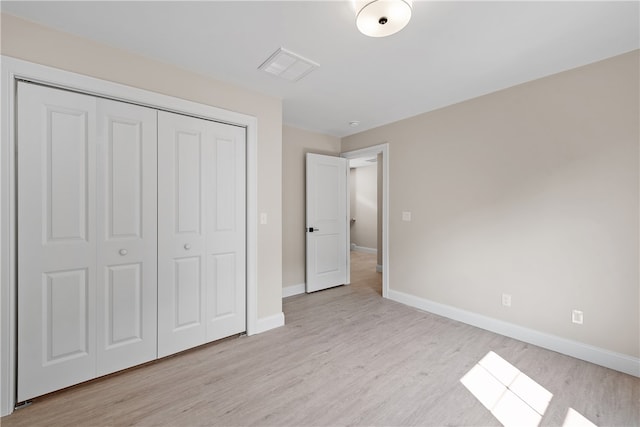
(577, 316)
(263, 218)
(406, 216)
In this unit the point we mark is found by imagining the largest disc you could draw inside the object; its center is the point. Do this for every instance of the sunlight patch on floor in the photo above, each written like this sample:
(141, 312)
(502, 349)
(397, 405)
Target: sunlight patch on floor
(511, 396)
(576, 419)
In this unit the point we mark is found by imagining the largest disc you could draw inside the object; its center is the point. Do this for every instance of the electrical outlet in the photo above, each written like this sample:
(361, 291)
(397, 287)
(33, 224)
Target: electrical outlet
(506, 300)
(577, 316)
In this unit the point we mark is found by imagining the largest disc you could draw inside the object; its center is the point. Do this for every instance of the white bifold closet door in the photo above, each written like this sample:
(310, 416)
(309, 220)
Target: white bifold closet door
(87, 293)
(201, 242)
(127, 236)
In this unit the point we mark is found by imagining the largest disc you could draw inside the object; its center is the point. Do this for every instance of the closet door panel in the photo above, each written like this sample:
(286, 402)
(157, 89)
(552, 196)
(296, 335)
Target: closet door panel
(188, 289)
(65, 315)
(225, 233)
(56, 239)
(127, 235)
(181, 203)
(188, 174)
(125, 313)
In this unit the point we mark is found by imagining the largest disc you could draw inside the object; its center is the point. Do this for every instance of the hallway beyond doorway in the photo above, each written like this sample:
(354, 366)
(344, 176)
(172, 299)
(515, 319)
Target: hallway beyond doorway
(363, 272)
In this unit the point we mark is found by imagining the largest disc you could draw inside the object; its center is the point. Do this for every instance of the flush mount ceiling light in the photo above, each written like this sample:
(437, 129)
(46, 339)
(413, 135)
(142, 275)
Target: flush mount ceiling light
(381, 18)
(288, 65)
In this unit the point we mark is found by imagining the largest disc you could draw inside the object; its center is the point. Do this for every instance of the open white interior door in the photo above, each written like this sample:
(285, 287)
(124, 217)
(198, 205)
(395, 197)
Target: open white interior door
(327, 222)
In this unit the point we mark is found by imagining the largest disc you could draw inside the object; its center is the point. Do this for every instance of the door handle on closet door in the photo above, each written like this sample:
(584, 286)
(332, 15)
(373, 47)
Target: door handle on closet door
(187, 246)
(123, 252)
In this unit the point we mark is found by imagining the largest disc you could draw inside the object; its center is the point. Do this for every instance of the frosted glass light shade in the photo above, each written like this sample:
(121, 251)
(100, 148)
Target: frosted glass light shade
(381, 18)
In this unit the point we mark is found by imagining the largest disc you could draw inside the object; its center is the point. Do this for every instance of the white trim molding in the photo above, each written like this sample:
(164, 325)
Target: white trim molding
(357, 248)
(599, 356)
(289, 291)
(13, 70)
(265, 324)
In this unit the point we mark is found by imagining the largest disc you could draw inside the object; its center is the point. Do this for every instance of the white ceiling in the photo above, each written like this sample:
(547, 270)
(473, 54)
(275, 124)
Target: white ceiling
(450, 51)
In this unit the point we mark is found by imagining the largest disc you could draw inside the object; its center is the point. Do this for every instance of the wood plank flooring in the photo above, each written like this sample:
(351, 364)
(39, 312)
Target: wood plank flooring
(345, 357)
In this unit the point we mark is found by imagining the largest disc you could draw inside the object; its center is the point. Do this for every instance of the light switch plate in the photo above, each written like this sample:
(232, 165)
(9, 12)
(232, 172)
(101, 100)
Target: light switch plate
(263, 218)
(406, 216)
(577, 316)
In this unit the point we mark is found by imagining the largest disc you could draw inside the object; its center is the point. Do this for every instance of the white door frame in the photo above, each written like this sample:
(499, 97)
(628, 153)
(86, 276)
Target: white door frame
(369, 152)
(14, 70)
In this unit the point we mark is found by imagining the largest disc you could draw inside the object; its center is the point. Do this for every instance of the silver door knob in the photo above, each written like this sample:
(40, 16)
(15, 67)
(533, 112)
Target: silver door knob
(123, 252)
(187, 246)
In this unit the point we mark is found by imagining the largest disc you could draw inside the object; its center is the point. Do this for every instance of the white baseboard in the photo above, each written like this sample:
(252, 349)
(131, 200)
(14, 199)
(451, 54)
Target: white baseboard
(378, 268)
(363, 249)
(292, 290)
(267, 323)
(599, 356)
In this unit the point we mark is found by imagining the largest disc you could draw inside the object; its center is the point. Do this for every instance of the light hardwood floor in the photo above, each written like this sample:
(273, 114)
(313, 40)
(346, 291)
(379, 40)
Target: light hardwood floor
(345, 357)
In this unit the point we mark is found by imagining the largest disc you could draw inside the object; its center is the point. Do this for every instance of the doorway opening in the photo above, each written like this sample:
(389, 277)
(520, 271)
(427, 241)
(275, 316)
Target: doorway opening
(368, 203)
(365, 225)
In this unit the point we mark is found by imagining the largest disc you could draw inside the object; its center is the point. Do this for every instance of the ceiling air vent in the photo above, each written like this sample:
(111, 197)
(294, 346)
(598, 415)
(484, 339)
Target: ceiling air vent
(288, 65)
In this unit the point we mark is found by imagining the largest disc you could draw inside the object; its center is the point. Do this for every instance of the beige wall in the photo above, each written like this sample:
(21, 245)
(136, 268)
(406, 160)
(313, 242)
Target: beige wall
(531, 191)
(364, 206)
(295, 144)
(25, 40)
